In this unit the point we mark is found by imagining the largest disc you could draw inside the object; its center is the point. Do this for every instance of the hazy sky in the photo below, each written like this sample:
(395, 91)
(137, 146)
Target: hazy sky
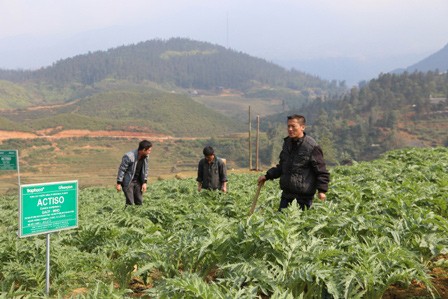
(35, 33)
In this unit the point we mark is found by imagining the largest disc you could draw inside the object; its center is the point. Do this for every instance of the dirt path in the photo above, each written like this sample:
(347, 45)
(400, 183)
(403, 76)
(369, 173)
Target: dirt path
(15, 134)
(43, 107)
(4, 135)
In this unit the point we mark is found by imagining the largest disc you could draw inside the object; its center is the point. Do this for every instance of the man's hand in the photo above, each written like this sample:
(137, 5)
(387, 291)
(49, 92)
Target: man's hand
(144, 187)
(261, 180)
(321, 196)
(118, 187)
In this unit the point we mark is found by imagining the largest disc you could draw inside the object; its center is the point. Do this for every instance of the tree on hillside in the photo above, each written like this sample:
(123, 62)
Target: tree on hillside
(322, 133)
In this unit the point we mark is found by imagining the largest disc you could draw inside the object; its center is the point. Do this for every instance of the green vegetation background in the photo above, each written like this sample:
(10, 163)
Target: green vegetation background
(384, 223)
(184, 88)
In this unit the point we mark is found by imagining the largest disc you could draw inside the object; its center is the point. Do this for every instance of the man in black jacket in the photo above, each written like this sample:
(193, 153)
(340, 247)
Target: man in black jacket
(301, 169)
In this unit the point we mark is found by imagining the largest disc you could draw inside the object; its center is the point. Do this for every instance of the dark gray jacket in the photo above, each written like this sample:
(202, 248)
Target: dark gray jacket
(126, 170)
(301, 169)
(213, 175)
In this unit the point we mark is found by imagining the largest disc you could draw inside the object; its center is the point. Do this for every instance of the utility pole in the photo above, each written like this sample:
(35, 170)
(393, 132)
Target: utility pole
(250, 145)
(227, 30)
(258, 142)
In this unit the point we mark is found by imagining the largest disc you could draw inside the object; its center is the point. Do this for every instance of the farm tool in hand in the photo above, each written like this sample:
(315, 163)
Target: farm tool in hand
(254, 201)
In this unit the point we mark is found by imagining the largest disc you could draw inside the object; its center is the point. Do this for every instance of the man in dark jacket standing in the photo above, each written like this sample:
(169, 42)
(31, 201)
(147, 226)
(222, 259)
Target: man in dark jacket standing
(132, 174)
(212, 172)
(301, 169)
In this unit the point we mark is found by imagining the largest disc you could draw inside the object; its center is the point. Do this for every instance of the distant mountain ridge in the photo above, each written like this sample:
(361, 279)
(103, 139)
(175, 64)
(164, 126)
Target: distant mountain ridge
(178, 61)
(437, 61)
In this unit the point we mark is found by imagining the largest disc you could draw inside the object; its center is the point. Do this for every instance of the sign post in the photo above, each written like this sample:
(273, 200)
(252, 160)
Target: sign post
(46, 208)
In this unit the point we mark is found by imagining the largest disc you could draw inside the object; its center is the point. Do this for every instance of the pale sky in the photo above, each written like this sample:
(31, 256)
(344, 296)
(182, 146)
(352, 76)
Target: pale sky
(36, 33)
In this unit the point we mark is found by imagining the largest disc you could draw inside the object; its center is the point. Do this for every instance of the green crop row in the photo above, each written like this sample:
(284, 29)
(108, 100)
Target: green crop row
(382, 225)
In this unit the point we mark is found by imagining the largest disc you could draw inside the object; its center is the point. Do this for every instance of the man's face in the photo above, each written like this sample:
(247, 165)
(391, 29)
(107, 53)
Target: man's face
(209, 158)
(295, 129)
(145, 152)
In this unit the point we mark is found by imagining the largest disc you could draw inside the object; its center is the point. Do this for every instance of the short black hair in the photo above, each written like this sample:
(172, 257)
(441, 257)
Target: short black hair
(208, 150)
(144, 145)
(300, 118)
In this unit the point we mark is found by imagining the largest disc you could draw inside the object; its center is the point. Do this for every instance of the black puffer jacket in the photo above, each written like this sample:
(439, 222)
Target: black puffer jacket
(301, 169)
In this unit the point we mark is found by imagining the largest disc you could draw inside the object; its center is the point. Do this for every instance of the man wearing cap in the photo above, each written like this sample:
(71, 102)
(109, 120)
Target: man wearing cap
(212, 172)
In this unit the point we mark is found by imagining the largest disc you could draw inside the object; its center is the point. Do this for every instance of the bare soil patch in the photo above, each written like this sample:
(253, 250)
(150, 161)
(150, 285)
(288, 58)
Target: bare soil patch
(418, 290)
(51, 134)
(16, 134)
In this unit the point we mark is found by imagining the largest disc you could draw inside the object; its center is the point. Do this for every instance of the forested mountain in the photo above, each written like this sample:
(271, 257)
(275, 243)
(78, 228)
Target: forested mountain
(392, 111)
(176, 68)
(178, 62)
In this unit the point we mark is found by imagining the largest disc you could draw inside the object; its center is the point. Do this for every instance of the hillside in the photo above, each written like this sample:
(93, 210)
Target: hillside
(389, 112)
(172, 87)
(149, 111)
(173, 63)
(15, 96)
(435, 62)
(180, 87)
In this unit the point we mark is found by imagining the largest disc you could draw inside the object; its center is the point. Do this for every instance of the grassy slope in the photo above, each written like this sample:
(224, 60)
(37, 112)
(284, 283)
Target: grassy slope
(133, 109)
(174, 113)
(14, 96)
(8, 125)
(237, 105)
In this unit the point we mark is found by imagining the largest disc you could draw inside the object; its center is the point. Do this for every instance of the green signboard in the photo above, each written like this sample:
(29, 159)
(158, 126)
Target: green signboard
(49, 207)
(8, 160)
